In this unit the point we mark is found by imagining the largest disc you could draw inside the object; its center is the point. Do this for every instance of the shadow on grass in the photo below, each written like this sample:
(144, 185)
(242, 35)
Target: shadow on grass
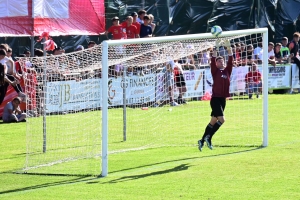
(133, 177)
(90, 180)
(253, 148)
(45, 185)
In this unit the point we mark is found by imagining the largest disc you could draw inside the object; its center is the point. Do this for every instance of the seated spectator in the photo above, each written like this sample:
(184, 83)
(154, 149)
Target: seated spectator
(277, 53)
(12, 112)
(271, 55)
(253, 81)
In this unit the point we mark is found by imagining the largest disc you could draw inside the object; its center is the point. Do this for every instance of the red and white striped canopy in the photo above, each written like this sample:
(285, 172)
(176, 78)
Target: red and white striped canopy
(59, 17)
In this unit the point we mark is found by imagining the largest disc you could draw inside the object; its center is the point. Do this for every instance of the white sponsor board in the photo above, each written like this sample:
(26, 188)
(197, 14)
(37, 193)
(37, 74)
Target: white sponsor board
(194, 85)
(139, 90)
(279, 76)
(295, 76)
(72, 95)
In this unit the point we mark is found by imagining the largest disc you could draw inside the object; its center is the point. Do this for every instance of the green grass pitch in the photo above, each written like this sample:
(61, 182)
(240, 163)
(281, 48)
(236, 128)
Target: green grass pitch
(171, 172)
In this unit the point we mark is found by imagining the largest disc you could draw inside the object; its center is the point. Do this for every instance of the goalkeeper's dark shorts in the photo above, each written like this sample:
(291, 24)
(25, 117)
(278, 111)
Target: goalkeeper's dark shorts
(217, 105)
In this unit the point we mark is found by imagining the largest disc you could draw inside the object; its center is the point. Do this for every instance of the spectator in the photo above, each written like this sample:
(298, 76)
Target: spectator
(131, 30)
(79, 48)
(134, 16)
(9, 70)
(294, 48)
(250, 54)
(9, 53)
(141, 15)
(27, 53)
(169, 79)
(4, 46)
(253, 81)
(146, 30)
(12, 112)
(179, 81)
(116, 30)
(258, 52)
(91, 44)
(38, 52)
(271, 55)
(151, 22)
(284, 51)
(277, 53)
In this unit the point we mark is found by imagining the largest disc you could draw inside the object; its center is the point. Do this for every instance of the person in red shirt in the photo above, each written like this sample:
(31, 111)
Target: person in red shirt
(134, 16)
(131, 30)
(116, 30)
(253, 81)
(220, 90)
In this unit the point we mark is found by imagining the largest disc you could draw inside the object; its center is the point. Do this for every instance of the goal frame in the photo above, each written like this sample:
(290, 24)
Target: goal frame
(107, 43)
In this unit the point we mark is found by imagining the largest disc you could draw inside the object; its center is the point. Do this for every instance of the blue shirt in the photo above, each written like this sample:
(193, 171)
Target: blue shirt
(145, 31)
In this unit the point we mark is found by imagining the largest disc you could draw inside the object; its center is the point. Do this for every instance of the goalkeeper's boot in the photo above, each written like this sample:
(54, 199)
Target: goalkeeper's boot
(200, 144)
(208, 142)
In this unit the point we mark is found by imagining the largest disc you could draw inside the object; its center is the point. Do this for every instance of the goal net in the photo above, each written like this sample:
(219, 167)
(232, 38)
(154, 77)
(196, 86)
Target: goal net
(126, 95)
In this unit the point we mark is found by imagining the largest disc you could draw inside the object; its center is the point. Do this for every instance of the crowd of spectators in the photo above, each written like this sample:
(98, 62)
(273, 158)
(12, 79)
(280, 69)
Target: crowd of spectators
(139, 25)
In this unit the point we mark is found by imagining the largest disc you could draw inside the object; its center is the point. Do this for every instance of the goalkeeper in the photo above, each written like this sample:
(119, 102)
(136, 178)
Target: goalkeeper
(220, 90)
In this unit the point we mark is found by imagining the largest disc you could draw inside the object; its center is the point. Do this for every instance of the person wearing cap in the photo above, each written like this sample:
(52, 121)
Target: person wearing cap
(116, 30)
(131, 30)
(134, 16)
(146, 30)
(79, 48)
(12, 112)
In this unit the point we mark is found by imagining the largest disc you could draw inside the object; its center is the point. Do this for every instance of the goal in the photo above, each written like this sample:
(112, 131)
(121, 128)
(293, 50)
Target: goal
(115, 97)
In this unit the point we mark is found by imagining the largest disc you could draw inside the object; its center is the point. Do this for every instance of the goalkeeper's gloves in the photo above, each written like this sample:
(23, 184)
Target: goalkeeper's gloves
(227, 43)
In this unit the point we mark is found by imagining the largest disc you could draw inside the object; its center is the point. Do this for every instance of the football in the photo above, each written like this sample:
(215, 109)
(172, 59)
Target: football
(216, 31)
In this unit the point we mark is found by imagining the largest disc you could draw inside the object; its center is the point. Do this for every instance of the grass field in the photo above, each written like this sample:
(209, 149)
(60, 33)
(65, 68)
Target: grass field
(177, 172)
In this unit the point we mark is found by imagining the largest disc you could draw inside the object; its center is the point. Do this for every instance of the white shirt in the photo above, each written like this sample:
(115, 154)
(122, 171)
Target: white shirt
(10, 68)
(271, 53)
(139, 20)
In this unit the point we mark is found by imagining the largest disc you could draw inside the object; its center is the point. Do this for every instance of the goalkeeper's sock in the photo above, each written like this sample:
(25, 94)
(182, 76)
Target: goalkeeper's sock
(215, 129)
(208, 129)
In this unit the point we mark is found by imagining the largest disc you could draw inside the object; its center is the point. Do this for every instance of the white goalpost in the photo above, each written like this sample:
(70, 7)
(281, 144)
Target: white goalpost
(167, 47)
(122, 96)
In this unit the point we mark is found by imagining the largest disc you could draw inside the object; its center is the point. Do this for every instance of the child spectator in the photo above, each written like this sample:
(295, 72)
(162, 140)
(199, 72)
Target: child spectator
(277, 53)
(284, 51)
(151, 22)
(134, 16)
(141, 15)
(253, 81)
(12, 112)
(146, 30)
(116, 30)
(271, 55)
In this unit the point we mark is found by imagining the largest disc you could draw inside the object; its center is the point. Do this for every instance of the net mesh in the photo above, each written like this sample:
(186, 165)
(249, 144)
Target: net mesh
(64, 102)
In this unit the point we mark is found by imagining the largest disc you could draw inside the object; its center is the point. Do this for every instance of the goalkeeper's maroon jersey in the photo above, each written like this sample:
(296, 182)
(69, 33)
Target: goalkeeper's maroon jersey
(221, 78)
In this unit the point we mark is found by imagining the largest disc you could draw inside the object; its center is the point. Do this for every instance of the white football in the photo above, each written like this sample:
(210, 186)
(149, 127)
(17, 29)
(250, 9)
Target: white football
(216, 31)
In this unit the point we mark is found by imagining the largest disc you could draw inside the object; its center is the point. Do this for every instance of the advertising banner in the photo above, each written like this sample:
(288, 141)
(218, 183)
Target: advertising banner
(139, 90)
(279, 76)
(73, 95)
